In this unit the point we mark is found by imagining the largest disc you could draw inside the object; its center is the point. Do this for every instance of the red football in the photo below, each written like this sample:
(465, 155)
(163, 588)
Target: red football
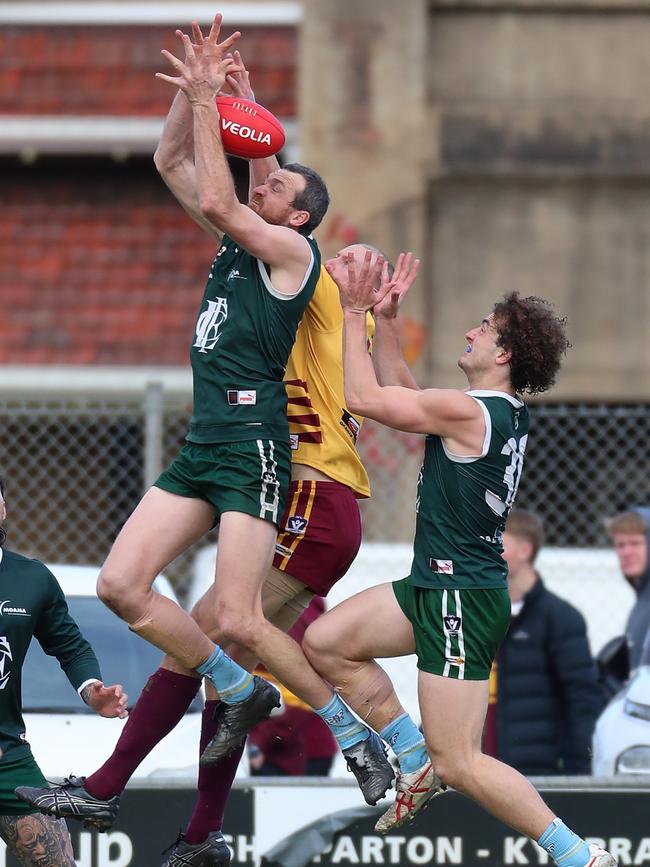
(248, 130)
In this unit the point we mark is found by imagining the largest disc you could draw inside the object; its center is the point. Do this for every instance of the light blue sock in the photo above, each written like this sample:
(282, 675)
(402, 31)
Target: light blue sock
(345, 727)
(232, 682)
(406, 741)
(564, 847)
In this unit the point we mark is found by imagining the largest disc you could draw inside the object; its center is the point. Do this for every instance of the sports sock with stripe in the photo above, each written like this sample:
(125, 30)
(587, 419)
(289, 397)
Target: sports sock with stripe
(564, 846)
(406, 741)
(345, 727)
(232, 682)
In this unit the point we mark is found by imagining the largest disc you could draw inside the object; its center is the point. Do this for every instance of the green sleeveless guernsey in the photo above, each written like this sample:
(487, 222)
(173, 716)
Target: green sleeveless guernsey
(244, 335)
(463, 502)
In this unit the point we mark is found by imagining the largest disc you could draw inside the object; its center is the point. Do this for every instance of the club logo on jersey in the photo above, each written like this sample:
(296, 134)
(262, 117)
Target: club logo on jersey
(5, 660)
(7, 608)
(241, 397)
(209, 324)
(455, 660)
(452, 623)
(351, 425)
(296, 525)
(294, 441)
(441, 567)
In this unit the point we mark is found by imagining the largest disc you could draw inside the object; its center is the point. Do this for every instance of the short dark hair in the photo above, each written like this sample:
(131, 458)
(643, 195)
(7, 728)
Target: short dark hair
(314, 198)
(531, 330)
(526, 525)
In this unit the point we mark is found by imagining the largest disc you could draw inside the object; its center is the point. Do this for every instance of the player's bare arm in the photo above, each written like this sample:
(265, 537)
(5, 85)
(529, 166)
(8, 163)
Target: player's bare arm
(201, 77)
(174, 156)
(447, 412)
(390, 366)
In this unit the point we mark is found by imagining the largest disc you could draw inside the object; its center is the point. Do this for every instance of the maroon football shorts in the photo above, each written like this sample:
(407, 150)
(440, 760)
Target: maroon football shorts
(319, 535)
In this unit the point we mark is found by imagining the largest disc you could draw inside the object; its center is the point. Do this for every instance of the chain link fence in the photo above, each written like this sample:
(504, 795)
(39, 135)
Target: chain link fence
(75, 466)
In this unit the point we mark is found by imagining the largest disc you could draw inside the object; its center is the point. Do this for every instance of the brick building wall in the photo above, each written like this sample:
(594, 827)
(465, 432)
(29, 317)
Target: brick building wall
(98, 263)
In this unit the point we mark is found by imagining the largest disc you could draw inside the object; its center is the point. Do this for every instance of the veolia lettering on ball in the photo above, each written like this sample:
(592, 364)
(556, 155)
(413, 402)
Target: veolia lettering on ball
(248, 130)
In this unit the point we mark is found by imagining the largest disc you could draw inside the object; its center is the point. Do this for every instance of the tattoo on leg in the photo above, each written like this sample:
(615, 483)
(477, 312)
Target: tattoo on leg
(38, 841)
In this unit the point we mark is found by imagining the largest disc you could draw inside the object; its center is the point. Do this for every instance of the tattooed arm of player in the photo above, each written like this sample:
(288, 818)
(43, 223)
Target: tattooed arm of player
(41, 841)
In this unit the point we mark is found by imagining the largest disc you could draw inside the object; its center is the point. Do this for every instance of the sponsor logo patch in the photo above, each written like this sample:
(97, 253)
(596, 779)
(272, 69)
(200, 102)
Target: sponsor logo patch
(441, 567)
(296, 525)
(7, 608)
(351, 425)
(452, 623)
(294, 442)
(247, 397)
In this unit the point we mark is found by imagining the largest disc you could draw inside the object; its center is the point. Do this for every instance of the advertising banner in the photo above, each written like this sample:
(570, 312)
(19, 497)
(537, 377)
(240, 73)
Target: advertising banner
(294, 823)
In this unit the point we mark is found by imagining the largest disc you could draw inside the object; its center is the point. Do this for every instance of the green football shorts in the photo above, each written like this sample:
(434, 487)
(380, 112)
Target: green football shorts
(18, 772)
(251, 477)
(457, 632)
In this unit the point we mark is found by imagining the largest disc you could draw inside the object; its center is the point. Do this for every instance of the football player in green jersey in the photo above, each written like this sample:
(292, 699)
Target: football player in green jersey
(34, 606)
(453, 609)
(235, 466)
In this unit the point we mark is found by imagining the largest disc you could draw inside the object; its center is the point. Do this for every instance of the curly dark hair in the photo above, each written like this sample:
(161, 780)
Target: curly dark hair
(531, 330)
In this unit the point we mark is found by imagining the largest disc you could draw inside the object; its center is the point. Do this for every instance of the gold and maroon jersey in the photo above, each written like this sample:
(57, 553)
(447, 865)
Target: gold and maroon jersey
(322, 430)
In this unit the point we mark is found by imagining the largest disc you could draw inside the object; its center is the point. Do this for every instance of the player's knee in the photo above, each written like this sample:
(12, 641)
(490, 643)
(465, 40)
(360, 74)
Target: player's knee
(318, 648)
(109, 590)
(449, 767)
(121, 596)
(235, 625)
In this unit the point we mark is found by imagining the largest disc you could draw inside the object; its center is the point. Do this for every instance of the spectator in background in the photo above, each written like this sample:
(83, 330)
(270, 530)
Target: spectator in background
(294, 742)
(629, 532)
(544, 694)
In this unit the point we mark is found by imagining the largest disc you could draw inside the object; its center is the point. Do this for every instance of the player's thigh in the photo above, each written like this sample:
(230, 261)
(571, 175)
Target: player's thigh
(37, 840)
(453, 714)
(368, 625)
(284, 599)
(244, 556)
(162, 526)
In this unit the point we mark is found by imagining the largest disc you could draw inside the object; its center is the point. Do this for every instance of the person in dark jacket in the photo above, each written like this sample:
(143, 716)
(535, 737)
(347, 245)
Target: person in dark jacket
(544, 696)
(630, 535)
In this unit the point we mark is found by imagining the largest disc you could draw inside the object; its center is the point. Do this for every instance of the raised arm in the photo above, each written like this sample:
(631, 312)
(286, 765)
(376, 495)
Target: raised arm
(239, 85)
(201, 76)
(174, 156)
(390, 366)
(446, 412)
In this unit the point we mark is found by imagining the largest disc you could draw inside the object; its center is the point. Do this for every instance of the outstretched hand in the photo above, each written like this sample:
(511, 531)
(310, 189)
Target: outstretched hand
(359, 286)
(238, 82)
(207, 63)
(394, 289)
(108, 701)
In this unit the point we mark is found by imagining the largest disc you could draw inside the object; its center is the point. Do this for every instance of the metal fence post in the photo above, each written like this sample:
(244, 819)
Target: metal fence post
(154, 411)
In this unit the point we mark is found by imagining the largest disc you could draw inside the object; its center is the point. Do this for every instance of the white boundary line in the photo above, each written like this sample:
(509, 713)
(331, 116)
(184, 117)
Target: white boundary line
(80, 13)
